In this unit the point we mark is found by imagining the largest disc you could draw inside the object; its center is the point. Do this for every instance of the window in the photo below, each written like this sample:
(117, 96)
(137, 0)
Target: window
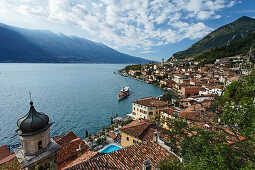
(134, 141)
(39, 145)
(134, 108)
(127, 138)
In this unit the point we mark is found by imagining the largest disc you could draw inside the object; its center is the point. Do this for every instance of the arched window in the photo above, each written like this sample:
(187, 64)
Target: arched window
(40, 145)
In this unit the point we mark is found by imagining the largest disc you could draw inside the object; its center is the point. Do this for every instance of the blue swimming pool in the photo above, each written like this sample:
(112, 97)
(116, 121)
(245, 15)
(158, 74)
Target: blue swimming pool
(110, 148)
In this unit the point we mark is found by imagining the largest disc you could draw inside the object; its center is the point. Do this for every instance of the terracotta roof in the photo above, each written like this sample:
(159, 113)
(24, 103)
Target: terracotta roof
(137, 127)
(168, 111)
(112, 135)
(197, 113)
(150, 102)
(67, 137)
(10, 162)
(4, 152)
(69, 144)
(84, 157)
(185, 100)
(130, 157)
(7, 159)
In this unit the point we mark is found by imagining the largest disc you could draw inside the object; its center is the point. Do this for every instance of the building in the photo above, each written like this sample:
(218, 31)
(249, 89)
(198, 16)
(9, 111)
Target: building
(145, 155)
(147, 108)
(167, 83)
(72, 147)
(190, 90)
(4, 152)
(37, 149)
(196, 113)
(136, 132)
(166, 114)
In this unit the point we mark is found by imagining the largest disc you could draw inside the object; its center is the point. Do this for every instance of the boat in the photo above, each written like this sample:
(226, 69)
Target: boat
(124, 92)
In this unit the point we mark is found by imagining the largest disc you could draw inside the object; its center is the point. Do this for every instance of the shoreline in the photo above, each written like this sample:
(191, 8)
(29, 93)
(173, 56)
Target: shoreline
(172, 92)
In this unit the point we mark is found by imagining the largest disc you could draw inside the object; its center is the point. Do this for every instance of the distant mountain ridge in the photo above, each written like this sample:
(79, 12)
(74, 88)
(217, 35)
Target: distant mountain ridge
(34, 46)
(224, 35)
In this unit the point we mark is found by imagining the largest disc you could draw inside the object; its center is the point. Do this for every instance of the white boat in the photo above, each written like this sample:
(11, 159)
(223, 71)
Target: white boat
(124, 92)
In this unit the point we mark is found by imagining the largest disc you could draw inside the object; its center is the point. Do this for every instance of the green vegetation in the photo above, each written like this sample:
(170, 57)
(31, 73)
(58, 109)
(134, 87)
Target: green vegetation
(167, 97)
(162, 86)
(99, 140)
(220, 37)
(126, 122)
(241, 46)
(138, 73)
(133, 67)
(211, 149)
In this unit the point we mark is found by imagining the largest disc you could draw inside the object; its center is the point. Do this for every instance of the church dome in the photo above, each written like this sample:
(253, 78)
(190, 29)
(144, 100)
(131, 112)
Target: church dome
(33, 123)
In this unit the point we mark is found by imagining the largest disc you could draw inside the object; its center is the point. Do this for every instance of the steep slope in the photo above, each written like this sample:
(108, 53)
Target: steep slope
(241, 46)
(45, 46)
(224, 35)
(15, 48)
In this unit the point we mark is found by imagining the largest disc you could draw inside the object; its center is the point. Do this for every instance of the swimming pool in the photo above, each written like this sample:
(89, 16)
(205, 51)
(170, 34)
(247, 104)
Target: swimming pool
(110, 148)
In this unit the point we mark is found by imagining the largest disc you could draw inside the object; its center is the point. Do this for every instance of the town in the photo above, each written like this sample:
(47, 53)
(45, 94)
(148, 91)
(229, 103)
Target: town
(148, 135)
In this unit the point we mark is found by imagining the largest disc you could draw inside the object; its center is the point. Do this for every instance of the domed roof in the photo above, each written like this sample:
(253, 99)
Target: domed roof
(33, 123)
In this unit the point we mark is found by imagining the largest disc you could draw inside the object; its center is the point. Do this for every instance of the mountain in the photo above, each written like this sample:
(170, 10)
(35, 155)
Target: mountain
(224, 35)
(34, 46)
(242, 46)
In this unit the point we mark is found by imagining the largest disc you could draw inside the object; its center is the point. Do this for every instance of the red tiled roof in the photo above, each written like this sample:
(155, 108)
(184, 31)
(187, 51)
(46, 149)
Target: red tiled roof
(112, 135)
(85, 157)
(130, 157)
(137, 127)
(169, 112)
(150, 102)
(10, 162)
(66, 138)
(69, 145)
(197, 113)
(8, 159)
(4, 152)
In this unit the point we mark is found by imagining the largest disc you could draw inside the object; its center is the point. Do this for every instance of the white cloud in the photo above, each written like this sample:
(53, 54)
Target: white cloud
(147, 52)
(136, 24)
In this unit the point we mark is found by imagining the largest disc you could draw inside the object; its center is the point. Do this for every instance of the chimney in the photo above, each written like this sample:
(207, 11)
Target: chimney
(155, 137)
(79, 149)
(146, 165)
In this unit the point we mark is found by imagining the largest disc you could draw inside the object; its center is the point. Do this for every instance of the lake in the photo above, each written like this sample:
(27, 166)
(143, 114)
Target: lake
(77, 97)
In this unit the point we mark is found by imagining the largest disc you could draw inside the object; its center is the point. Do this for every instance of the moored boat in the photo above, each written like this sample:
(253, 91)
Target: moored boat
(124, 92)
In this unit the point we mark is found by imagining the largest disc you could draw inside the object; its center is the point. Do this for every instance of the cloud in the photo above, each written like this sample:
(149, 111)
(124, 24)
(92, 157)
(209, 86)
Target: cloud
(147, 52)
(136, 24)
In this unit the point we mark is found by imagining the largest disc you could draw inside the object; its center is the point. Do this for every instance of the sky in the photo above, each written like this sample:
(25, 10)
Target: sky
(152, 29)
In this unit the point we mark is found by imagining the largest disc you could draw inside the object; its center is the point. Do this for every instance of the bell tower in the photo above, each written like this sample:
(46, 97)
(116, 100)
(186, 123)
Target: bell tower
(37, 148)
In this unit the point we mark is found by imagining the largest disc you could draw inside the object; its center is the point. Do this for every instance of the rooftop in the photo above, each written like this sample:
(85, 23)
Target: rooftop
(4, 152)
(69, 145)
(168, 111)
(137, 127)
(130, 157)
(150, 102)
(84, 157)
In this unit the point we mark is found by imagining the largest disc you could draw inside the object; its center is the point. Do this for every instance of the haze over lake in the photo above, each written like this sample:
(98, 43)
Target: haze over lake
(77, 97)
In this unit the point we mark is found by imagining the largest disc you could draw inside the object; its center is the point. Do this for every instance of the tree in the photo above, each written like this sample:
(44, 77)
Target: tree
(221, 148)
(167, 97)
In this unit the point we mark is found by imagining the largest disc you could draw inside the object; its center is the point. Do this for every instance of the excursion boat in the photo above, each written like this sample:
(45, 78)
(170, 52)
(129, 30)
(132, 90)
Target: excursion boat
(124, 92)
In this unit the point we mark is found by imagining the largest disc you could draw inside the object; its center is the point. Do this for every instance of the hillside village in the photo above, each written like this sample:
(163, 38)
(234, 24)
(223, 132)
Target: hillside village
(203, 121)
(192, 89)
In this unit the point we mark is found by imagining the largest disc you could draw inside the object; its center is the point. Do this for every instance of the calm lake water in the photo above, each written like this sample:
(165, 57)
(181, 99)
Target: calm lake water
(77, 97)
